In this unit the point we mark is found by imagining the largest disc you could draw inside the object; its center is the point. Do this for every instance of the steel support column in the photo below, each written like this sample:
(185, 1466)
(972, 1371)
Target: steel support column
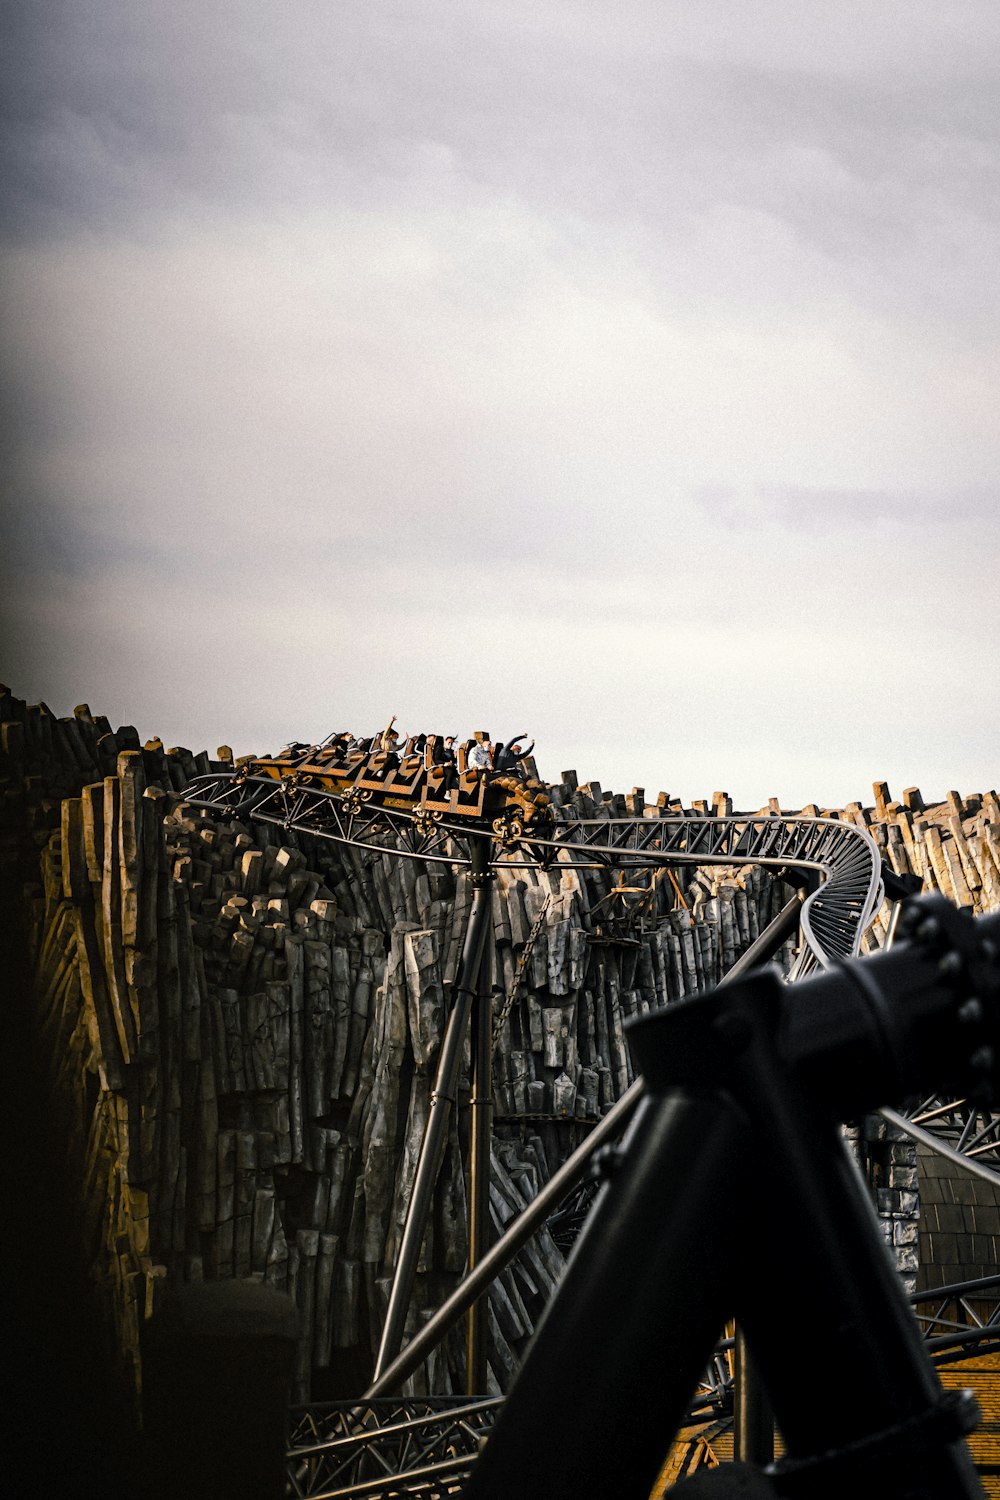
(481, 1105)
(764, 947)
(442, 1098)
(753, 1419)
(528, 1222)
(572, 1172)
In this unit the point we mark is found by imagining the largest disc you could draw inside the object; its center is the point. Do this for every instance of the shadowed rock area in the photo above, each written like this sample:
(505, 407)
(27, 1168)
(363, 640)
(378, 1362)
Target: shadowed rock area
(235, 1031)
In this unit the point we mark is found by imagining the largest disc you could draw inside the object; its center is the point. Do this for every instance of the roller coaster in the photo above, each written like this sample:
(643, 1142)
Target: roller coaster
(395, 1447)
(416, 805)
(421, 787)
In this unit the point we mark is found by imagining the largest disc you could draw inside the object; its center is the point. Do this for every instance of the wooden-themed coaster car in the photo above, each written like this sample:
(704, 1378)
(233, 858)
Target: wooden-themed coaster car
(422, 783)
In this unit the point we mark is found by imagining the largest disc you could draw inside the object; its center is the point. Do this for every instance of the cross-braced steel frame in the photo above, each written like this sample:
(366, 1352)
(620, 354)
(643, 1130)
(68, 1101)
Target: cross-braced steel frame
(963, 1132)
(426, 1445)
(839, 858)
(843, 858)
(421, 1445)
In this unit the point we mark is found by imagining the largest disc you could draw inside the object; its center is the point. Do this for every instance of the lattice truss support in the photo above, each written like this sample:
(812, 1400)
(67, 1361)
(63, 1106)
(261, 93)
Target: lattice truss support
(842, 857)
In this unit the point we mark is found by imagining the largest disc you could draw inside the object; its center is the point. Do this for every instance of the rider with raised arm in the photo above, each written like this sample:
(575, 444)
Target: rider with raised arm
(508, 757)
(389, 738)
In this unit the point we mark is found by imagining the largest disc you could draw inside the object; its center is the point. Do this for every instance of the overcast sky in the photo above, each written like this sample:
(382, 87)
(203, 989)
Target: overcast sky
(625, 374)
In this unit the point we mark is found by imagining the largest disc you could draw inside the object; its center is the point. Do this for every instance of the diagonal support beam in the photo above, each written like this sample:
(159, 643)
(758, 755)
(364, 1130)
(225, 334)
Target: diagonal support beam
(391, 1373)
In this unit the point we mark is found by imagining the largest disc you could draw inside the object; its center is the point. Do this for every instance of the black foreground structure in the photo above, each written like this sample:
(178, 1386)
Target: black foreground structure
(748, 1084)
(404, 805)
(738, 1105)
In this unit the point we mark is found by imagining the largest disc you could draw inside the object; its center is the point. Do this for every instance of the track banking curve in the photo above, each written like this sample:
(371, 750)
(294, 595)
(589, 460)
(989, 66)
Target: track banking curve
(842, 857)
(843, 894)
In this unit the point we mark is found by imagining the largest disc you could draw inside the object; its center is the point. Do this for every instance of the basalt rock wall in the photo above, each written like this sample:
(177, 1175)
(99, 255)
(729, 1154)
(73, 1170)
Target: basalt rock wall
(240, 1031)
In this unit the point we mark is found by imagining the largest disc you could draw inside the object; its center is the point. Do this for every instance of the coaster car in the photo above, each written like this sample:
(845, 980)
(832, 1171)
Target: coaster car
(420, 782)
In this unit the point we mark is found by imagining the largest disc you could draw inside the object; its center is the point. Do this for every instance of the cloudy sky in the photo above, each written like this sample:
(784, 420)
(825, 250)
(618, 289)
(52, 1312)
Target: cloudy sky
(626, 374)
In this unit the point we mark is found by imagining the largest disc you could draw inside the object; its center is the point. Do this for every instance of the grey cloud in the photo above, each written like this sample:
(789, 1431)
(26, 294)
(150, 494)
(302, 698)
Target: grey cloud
(722, 163)
(48, 543)
(815, 509)
(119, 116)
(342, 323)
(807, 508)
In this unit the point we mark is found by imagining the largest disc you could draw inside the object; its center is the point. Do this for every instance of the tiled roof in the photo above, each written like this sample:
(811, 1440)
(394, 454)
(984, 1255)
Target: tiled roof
(959, 1223)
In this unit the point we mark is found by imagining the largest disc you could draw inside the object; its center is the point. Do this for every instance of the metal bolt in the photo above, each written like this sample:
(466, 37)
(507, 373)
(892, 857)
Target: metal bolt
(734, 1031)
(929, 929)
(982, 1059)
(971, 1011)
(606, 1162)
(949, 965)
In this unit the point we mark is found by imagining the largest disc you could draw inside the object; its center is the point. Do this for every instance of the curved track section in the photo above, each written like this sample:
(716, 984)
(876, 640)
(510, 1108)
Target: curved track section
(843, 857)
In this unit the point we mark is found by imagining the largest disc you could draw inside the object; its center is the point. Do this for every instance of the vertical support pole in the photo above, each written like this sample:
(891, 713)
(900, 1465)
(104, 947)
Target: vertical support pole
(890, 936)
(395, 1369)
(753, 1420)
(481, 1105)
(442, 1098)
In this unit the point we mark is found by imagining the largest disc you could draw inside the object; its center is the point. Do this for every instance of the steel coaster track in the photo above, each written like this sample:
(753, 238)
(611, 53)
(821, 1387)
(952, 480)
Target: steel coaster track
(426, 1445)
(833, 917)
(438, 1453)
(419, 1445)
(842, 855)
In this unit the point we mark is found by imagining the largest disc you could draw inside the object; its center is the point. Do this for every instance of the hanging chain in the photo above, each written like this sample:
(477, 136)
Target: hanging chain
(518, 976)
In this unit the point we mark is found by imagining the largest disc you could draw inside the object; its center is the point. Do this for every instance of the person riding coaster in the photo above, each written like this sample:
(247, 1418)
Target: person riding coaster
(392, 775)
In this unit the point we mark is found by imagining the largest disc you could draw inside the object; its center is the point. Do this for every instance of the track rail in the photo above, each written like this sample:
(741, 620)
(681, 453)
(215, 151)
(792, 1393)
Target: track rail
(844, 857)
(427, 1445)
(845, 865)
(419, 1445)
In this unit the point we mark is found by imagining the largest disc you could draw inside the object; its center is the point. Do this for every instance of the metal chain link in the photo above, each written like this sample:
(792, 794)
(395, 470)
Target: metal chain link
(518, 976)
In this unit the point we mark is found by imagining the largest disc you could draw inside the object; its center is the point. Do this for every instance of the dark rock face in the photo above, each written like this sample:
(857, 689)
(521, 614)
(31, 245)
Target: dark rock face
(239, 1034)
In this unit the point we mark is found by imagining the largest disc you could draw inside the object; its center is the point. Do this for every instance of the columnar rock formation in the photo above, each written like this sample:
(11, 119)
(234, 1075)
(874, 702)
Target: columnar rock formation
(241, 1032)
